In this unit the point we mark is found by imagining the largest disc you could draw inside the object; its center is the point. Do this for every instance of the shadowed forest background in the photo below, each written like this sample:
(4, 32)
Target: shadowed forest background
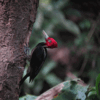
(75, 25)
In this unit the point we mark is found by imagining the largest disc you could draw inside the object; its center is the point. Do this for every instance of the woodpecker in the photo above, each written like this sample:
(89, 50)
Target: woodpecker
(38, 57)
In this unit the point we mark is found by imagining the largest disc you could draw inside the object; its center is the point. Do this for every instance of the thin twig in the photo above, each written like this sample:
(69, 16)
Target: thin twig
(90, 34)
(92, 30)
(83, 65)
(94, 61)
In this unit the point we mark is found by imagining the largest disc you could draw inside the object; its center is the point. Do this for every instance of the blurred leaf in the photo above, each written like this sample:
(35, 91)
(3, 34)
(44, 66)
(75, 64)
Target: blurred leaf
(39, 20)
(45, 1)
(98, 64)
(92, 93)
(68, 24)
(61, 3)
(85, 24)
(98, 86)
(58, 16)
(28, 97)
(51, 65)
(52, 79)
(80, 41)
(72, 27)
(72, 91)
(79, 90)
(73, 12)
(67, 95)
(38, 86)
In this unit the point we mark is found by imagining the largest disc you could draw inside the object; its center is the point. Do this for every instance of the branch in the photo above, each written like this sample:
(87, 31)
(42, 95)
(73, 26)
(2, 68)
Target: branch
(92, 30)
(50, 94)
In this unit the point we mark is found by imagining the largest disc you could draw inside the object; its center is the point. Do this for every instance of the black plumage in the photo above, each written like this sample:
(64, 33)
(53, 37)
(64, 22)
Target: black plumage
(38, 57)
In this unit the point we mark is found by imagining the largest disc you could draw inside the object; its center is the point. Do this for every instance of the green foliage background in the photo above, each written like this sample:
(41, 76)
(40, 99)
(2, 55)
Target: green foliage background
(72, 30)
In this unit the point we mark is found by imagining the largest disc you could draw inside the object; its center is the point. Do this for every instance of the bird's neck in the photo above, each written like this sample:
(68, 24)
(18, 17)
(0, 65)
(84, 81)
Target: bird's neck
(42, 44)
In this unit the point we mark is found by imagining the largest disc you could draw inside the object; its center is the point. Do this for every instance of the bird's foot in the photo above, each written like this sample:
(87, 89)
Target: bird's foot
(26, 50)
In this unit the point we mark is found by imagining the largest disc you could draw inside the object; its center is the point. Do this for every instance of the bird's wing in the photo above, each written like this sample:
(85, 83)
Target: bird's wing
(37, 59)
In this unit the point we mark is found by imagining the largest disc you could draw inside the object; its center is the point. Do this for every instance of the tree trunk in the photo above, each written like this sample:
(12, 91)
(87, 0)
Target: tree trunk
(16, 19)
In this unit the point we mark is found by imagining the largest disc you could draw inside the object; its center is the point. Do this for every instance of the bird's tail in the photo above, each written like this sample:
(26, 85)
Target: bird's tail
(23, 79)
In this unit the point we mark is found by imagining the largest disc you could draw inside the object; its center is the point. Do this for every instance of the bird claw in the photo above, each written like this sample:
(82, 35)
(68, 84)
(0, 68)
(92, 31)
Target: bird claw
(26, 50)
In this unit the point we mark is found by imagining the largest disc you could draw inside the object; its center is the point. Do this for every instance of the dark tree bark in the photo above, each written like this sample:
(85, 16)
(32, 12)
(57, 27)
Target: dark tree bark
(16, 19)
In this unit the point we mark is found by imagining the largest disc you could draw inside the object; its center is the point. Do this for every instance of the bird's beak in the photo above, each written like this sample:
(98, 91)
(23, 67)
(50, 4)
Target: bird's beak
(45, 34)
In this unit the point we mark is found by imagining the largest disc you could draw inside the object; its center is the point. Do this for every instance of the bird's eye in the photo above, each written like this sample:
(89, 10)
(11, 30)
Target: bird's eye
(49, 40)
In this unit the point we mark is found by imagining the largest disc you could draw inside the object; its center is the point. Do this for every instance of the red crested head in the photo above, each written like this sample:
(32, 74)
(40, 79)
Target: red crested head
(50, 42)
